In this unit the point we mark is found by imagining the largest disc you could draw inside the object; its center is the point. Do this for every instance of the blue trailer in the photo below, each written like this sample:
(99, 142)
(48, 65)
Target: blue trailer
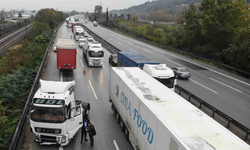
(133, 59)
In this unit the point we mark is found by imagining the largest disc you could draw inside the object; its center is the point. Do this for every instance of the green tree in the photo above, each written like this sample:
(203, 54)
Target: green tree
(20, 15)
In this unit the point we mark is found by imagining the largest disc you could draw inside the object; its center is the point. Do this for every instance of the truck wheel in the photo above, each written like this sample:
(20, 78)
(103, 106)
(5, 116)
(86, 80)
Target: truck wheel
(117, 117)
(126, 132)
(122, 125)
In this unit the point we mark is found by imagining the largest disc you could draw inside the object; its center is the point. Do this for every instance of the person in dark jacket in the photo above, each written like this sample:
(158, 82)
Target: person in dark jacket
(92, 133)
(84, 129)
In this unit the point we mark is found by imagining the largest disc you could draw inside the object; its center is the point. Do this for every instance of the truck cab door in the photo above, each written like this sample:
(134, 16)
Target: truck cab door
(74, 121)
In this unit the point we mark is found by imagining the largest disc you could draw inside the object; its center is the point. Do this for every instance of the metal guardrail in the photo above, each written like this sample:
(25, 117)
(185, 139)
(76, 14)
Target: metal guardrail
(106, 44)
(15, 142)
(215, 111)
(201, 102)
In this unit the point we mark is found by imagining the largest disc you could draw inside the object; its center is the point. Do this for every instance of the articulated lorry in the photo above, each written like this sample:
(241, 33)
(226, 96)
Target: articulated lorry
(56, 115)
(159, 71)
(153, 117)
(66, 54)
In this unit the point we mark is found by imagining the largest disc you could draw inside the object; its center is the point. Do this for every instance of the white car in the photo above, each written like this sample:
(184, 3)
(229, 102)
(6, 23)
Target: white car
(82, 42)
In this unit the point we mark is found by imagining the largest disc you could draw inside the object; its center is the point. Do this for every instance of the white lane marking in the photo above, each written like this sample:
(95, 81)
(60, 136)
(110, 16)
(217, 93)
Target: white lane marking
(248, 84)
(116, 146)
(130, 43)
(81, 63)
(119, 43)
(173, 62)
(111, 39)
(226, 85)
(119, 39)
(146, 50)
(203, 86)
(92, 89)
(60, 148)
(61, 77)
(132, 50)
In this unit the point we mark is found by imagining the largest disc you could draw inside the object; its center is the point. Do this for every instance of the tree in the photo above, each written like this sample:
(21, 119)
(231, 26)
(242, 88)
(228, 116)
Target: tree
(134, 18)
(20, 15)
(107, 16)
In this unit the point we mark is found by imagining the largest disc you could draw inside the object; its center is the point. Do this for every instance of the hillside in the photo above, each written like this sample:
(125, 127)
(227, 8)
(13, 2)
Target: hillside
(154, 6)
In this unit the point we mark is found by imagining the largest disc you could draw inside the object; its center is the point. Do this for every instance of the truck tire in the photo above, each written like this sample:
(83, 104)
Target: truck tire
(122, 125)
(126, 132)
(118, 117)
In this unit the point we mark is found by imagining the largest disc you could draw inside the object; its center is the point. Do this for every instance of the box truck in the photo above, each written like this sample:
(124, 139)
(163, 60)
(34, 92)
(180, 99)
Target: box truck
(153, 117)
(56, 115)
(133, 59)
(66, 54)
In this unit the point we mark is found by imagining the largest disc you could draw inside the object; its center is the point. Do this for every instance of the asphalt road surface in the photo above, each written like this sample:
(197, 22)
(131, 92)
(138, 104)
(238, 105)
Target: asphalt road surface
(227, 92)
(93, 88)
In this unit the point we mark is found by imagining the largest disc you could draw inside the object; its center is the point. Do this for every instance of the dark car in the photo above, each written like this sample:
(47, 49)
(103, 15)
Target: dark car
(181, 72)
(113, 59)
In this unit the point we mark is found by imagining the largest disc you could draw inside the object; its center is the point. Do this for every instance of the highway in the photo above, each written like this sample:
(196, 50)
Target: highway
(93, 88)
(227, 92)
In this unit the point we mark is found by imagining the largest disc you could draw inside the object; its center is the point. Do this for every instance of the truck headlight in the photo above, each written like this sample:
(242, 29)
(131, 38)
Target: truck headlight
(63, 140)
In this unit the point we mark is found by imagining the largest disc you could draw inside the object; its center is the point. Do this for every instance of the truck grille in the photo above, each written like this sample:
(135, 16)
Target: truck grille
(96, 61)
(46, 138)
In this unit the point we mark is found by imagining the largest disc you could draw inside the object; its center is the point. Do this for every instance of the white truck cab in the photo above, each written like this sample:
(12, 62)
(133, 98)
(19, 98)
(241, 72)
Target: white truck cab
(161, 73)
(93, 53)
(78, 32)
(56, 115)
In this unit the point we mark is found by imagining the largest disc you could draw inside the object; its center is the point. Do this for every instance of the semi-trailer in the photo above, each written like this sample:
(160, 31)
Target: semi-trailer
(66, 54)
(153, 117)
(159, 71)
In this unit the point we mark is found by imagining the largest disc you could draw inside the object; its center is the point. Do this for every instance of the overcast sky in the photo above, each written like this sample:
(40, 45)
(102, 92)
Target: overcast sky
(67, 5)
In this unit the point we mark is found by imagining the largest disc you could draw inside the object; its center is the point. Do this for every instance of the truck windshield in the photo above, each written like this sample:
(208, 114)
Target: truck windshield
(79, 33)
(96, 54)
(167, 82)
(48, 114)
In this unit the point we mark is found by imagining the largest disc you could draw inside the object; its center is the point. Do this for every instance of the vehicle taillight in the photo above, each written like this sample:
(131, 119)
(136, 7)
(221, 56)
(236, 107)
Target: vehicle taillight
(180, 73)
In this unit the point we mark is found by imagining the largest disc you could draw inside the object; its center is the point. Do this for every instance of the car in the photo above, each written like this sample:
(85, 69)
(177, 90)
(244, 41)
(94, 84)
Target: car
(90, 39)
(113, 59)
(55, 49)
(82, 41)
(181, 72)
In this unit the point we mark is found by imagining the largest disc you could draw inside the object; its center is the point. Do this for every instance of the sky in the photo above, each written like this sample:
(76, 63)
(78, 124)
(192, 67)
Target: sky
(67, 5)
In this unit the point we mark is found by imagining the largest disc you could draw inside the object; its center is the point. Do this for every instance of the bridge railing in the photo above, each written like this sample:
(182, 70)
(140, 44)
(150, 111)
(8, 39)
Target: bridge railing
(17, 137)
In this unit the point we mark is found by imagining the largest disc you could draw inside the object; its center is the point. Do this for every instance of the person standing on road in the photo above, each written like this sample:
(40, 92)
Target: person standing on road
(92, 133)
(84, 129)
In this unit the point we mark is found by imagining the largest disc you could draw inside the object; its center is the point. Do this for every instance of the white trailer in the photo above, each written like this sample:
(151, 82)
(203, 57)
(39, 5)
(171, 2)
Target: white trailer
(156, 118)
(161, 73)
(56, 115)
